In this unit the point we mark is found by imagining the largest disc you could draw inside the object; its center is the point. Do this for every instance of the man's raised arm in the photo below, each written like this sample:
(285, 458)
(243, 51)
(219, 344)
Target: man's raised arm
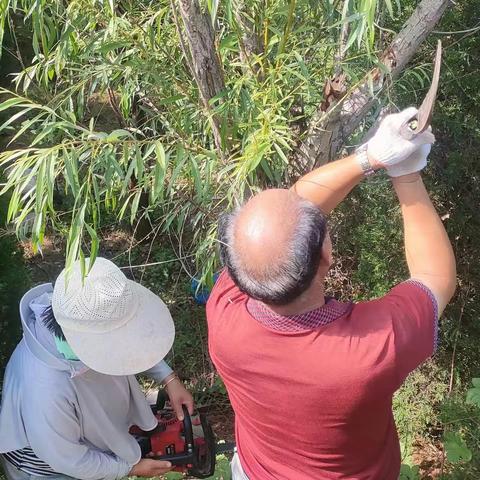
(328, 185)
(429, 254)
(428, 250)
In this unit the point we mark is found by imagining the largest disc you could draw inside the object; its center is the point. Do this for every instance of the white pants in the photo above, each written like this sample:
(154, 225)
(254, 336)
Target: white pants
(237, 470)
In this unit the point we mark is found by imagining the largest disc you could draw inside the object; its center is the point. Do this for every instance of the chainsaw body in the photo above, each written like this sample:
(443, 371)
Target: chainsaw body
(189, 445)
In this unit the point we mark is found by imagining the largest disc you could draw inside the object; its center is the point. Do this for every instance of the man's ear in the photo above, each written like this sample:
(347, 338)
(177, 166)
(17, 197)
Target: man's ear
(327, 256)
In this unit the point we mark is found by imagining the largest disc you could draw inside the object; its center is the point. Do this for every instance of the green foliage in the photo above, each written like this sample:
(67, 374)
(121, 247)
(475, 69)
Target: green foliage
(154, 158)
(408, 472)
(108, 114)
(456, 449)
(473, 395)
(13, 284)
(375, 230)
(416, 403)
(460, 415)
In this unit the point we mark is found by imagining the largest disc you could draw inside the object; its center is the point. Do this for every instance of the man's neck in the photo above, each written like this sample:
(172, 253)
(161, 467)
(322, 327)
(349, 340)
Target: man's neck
(309, 300)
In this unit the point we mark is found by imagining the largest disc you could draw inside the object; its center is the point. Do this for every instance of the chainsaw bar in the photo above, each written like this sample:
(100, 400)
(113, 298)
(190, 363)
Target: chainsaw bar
(421, 121)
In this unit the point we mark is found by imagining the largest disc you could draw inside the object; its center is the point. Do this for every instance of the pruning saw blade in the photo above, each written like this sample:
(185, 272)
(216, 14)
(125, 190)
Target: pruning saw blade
(421, 121)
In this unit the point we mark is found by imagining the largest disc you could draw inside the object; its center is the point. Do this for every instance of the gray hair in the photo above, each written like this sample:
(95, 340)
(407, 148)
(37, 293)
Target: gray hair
(282, 282)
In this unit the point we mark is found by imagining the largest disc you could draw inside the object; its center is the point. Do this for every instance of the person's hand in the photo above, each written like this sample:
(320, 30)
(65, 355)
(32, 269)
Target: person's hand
(414, 163)
(147, 467)
(387, 147)
(179, 396)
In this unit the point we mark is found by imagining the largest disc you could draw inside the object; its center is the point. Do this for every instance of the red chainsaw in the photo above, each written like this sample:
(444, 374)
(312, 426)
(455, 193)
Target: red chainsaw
(189, 445)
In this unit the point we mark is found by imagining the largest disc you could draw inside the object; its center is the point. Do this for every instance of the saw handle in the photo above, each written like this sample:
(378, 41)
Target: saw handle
(410, 128)
(187, 456)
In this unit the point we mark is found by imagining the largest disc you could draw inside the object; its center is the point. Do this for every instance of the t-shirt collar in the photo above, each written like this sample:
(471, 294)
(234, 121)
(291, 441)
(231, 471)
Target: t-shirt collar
(321, 316)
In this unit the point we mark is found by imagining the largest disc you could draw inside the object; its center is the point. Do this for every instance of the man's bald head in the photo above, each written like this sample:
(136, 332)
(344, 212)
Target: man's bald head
(272, 245)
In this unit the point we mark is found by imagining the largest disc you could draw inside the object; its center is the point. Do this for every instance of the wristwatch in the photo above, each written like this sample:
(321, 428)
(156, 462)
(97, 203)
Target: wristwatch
(361, 153)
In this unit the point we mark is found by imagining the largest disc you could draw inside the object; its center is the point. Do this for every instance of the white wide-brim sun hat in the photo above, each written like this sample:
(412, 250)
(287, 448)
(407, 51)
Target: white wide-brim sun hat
(114, 326)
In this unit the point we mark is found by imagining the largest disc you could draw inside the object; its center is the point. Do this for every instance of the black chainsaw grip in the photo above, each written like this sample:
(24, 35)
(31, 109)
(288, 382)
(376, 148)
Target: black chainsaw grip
(187, 429)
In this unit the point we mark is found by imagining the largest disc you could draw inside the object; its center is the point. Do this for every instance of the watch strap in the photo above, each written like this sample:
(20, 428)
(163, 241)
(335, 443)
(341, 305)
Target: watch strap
(362, 158)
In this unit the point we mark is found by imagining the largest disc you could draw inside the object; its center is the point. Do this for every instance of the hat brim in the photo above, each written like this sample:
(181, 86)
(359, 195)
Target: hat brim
(132, 348)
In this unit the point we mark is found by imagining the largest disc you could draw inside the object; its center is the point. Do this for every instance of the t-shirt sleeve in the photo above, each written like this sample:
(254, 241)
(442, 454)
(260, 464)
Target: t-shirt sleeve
(159, 372)
(414, 320)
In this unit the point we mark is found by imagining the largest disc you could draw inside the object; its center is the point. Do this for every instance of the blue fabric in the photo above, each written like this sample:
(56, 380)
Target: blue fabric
(201, 293)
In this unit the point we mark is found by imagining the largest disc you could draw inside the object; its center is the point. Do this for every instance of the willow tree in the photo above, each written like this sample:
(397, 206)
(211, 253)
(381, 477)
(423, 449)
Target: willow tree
(207, 102)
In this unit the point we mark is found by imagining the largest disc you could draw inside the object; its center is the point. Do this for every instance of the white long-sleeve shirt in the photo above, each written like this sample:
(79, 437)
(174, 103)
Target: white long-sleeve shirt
(76, 420)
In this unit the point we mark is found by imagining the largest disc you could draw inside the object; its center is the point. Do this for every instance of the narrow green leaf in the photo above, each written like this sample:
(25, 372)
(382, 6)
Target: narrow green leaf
(13, 205)
(160, 154)
(94, 246)
(50, 179)
(110, 46)
(118, 134)
(139, 165)
(40, 183)
(196, 177)
(135, 203)
(12, 102)
(75, 236)
(128, 177)
(15, 117)
(70, 160)
(281, 153)
(83, 269)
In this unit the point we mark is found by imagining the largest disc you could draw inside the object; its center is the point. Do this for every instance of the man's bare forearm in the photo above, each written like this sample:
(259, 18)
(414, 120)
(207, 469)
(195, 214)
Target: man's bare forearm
(328, 185)
(428, 250)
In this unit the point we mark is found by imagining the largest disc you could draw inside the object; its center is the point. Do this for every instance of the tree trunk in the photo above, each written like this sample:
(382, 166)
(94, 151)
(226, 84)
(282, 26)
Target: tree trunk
(250, 43)
(329, 130)
(204, 59)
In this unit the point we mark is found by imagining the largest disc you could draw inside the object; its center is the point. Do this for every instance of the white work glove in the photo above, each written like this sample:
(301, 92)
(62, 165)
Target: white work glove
(387, 147)
(414, 163)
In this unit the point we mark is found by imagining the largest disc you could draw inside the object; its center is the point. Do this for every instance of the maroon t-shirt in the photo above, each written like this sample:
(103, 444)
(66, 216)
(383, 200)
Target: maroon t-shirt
(312, 394)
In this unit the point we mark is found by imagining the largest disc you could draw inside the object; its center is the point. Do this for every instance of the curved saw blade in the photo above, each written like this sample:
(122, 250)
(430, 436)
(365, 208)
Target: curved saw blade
(421, 121)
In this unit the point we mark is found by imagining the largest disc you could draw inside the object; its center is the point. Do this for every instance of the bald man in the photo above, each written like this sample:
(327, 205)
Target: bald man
(310, 378)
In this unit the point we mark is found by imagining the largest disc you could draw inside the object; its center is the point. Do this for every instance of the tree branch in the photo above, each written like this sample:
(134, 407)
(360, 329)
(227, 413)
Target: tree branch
(329, 130)
(250, 43)
(204, 59)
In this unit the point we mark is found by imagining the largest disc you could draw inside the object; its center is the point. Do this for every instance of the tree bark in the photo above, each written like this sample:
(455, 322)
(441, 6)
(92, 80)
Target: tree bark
(329, 130)
(204, 59)
(250, 43)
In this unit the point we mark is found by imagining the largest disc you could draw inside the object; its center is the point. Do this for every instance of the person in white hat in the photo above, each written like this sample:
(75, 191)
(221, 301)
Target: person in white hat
(70, 395)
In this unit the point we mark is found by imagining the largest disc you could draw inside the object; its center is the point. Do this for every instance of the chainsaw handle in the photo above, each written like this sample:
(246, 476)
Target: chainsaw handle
(188, 429)
(177, 460)
(187, 456)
